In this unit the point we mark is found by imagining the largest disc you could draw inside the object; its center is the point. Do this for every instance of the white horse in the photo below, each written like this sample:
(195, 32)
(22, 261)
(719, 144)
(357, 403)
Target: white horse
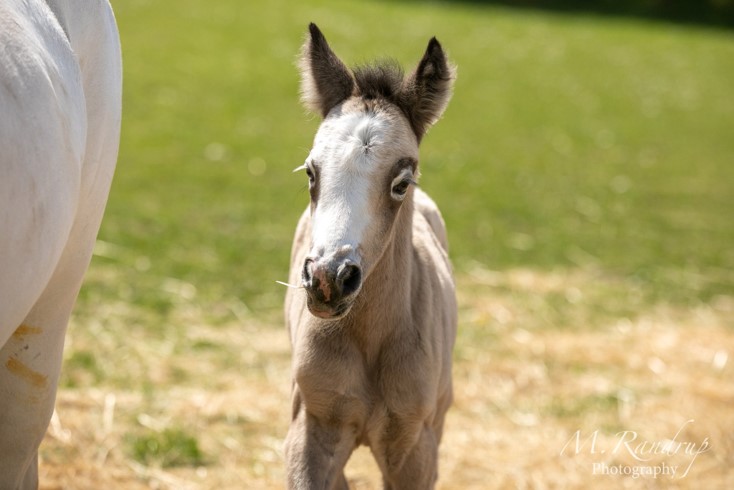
(60, 107)
(373, 325)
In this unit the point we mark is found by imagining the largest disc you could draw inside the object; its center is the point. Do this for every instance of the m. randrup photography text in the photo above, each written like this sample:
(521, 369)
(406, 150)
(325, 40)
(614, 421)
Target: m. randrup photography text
(635, 471)
(670, 457)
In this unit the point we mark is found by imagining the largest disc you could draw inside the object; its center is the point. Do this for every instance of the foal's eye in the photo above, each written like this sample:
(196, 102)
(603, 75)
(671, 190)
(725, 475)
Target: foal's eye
(309, 171)
(404, 177)
(400, 188)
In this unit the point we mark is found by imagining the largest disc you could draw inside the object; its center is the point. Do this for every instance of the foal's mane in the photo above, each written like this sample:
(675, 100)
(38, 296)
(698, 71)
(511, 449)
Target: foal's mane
(421, 96)
(380, 80)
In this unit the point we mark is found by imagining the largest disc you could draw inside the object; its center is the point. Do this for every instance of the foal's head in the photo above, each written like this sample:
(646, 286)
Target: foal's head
(363, 163)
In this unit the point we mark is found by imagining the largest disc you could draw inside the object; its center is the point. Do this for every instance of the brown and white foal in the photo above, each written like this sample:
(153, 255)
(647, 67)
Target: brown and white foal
(373, 325)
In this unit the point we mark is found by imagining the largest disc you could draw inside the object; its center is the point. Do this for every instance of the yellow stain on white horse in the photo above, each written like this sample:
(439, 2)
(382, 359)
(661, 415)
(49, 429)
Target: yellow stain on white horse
(18, 368)
(25, 330)
(34, 378)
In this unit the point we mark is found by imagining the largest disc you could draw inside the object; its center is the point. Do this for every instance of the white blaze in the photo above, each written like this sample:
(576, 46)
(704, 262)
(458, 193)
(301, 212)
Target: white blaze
(345, 150)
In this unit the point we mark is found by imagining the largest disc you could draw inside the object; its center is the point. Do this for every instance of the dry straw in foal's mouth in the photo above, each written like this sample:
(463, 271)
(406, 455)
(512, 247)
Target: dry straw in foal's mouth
(289, 285)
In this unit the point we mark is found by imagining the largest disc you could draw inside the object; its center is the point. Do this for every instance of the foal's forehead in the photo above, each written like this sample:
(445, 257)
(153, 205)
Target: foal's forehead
(364, 133)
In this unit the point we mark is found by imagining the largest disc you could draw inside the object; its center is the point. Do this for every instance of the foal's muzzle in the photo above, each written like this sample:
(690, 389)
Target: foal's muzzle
(331, 284)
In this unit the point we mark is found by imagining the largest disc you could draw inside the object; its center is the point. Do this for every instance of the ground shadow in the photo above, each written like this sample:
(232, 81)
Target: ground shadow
(714, 13)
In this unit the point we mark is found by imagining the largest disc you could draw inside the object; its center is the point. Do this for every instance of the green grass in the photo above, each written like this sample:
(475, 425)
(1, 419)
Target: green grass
(170, 447)
(571, 141)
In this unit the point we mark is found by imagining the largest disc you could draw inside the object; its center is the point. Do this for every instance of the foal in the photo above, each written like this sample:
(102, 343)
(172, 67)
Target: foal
(373, 327)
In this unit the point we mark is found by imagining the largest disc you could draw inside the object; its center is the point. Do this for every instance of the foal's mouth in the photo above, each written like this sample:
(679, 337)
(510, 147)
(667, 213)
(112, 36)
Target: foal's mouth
(328, 312)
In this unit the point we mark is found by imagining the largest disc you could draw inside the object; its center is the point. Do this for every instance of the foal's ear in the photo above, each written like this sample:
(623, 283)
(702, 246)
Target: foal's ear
(427, 91)
(325, 81)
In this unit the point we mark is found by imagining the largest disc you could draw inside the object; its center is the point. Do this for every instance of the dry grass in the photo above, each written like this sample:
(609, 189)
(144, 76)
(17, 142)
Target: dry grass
(540, 356)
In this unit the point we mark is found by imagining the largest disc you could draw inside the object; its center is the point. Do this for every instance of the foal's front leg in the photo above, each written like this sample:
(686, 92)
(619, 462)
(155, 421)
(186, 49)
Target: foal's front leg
(316, 451)
(408, 457)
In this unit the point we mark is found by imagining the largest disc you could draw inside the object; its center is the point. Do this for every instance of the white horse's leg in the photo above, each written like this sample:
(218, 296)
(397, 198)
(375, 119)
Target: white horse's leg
(30, 362)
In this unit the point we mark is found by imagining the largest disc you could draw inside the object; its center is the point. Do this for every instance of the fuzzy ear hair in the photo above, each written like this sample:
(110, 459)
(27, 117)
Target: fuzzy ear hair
(325, 81)
(427, 91)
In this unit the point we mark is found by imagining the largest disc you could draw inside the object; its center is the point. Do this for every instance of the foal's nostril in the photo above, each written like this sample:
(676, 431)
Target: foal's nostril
(350, 278)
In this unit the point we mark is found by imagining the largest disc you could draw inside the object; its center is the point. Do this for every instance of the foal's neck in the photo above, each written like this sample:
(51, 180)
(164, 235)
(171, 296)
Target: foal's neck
(384, 305)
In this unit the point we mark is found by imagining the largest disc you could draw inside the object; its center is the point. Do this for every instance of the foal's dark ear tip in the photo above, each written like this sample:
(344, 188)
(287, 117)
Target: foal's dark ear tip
(433, 44)
(314, 30)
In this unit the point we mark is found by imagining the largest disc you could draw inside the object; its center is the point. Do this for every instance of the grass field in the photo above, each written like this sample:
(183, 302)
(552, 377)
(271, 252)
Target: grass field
(585, 169)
